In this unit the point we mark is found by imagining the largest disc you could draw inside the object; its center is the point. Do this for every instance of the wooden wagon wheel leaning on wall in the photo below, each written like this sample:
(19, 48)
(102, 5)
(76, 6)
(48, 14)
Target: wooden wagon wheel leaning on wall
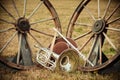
(24, 24)
(95, 27)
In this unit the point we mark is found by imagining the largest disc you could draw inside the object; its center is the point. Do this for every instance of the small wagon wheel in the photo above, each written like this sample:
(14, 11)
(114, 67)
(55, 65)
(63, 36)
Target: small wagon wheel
(29, 22)
(95, 27)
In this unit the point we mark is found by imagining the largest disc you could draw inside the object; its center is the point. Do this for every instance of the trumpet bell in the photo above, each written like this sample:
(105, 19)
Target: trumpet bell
(68, 61)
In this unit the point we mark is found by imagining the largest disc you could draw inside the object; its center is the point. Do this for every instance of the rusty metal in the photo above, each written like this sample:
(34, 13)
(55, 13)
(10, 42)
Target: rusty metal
(59, 47)
(69, 39)
(23, 59)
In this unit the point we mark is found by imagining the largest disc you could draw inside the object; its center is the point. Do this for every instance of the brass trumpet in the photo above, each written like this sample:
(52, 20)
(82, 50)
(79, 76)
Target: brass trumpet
(67, 61)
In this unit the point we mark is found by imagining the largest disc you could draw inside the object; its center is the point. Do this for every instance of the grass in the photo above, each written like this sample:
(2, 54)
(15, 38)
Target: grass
(65, 9)
(44, 74)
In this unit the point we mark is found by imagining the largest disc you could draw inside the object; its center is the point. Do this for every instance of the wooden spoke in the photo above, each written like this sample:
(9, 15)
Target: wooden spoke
(8, 42)
(35, 10)
(87, 33)
(43, 20)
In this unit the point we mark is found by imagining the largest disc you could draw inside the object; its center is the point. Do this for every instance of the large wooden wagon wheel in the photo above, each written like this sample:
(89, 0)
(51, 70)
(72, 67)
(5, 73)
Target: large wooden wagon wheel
(95, 27)
(23, 24)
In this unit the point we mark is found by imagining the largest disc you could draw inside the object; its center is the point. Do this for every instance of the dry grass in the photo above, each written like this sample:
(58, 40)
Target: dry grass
(44, 74)
(65, 9)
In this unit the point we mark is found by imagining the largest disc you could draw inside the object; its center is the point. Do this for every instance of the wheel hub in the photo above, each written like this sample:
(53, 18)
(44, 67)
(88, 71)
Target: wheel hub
(99, 26)
(23, 25)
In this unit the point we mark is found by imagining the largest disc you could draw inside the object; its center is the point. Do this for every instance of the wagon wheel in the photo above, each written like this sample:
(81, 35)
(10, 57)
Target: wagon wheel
(29, 23)
(94, 26)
